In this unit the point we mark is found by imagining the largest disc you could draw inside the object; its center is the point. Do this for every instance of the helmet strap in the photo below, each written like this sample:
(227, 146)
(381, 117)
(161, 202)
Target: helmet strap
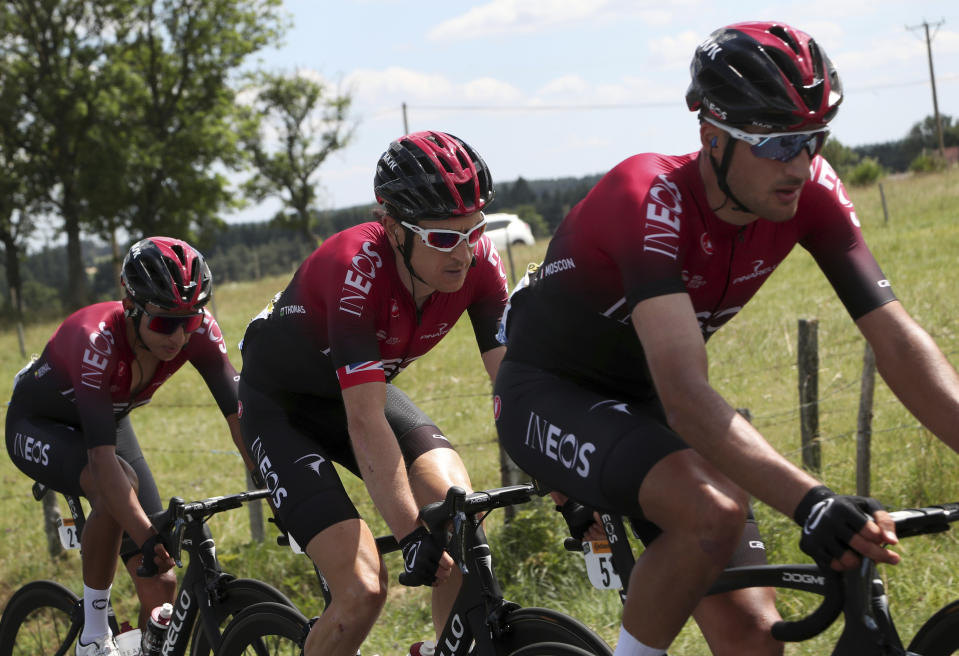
(406, 249)
(721, 170)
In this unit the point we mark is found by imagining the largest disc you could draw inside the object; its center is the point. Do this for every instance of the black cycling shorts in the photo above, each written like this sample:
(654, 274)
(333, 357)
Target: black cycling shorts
(588, 444)
(55, 453)
(294, 439)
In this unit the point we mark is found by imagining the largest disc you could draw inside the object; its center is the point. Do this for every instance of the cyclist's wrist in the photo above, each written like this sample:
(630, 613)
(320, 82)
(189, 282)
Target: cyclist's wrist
(812, 497)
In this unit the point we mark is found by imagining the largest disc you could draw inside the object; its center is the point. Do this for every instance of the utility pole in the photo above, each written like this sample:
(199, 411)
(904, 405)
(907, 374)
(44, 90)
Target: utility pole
(406, 125)
(932, 77)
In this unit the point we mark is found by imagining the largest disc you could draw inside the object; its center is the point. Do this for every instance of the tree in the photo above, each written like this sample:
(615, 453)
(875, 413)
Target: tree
(309, 123)
(132, 108)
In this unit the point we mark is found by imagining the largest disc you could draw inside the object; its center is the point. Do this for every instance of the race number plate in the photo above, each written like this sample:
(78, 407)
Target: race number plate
(599, 566)
(68, 533)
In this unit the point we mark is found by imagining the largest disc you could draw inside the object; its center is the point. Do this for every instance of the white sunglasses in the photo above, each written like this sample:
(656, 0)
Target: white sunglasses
(446, 240)
(780, 146)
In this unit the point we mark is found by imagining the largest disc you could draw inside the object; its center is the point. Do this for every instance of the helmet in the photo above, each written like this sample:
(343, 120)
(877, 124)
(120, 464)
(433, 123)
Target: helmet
(431, 175)
(764, 74)
(168, 273)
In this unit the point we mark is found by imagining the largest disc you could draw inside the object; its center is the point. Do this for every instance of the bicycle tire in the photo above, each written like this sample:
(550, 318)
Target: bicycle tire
(939, 636)
(238, 595)
(529, 626)
(265, 629)
(550, 649)
(40, 618)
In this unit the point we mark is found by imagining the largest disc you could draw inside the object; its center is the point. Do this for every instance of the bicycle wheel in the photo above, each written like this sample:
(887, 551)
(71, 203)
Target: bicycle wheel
(529, 626)
(265, 629)
(42, 617)
(550, 649)
(939, 636)
(238, 595)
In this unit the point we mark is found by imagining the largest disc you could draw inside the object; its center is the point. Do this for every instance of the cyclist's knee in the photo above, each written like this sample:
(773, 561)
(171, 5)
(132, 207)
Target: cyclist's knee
(361, 599)
(740, 622)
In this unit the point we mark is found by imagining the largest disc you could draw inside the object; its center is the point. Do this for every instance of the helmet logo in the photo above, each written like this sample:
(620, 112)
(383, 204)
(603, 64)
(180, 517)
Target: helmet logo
(710, 48)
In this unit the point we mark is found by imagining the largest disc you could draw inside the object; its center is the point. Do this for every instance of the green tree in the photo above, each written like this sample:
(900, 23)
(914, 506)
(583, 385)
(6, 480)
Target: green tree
(842, 158)
(300, 124)
(131, 109)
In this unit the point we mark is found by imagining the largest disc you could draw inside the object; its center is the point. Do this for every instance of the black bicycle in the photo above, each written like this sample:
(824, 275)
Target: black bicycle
(481, 623)
(44, 617)
(858, 594)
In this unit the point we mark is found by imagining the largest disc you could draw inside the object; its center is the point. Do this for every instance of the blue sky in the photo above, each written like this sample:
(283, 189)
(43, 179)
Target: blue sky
(553, 88)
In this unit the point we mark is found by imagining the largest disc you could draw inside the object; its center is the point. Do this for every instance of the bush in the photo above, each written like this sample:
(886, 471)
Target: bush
(928, 163)
(866, 172)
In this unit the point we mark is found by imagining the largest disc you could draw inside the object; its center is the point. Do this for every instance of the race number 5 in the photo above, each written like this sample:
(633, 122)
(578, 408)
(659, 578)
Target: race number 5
(599, 565)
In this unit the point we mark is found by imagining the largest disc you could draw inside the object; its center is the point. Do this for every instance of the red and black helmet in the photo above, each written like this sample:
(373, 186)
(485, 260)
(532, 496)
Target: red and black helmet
(431, 175)
(764, 74)
(168, 273)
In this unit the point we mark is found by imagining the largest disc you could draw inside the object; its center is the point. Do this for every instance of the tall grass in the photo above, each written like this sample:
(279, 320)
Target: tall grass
(753, 366)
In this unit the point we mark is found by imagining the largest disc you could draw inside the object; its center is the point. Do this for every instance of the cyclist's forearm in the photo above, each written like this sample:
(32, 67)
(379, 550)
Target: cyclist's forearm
(384, 474)
(115, 495)
(916, 370)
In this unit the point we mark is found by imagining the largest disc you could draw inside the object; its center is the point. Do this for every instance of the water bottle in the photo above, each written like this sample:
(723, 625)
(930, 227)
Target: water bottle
(152, 640)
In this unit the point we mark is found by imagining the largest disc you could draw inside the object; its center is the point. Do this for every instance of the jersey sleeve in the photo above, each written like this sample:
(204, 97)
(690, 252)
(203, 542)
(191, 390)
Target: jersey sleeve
(208, 354)
(834, 238)
(491, 296)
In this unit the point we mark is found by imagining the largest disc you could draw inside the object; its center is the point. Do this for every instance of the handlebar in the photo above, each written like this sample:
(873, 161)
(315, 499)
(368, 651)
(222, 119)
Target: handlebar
(171, 523)
(909, 522)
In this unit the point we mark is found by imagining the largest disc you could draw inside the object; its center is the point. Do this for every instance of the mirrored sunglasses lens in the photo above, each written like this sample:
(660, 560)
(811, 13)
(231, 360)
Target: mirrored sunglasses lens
(169, 325)
(786, 147)
(474, 235)
(443, 239)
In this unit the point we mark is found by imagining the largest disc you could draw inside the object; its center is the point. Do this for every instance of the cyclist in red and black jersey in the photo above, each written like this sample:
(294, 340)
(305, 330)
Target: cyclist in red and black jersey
(604, 394)
(318, 365)
(68, 426)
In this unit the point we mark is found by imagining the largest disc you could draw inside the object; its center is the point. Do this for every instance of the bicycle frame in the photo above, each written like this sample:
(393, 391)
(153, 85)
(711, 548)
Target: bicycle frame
(859, 593)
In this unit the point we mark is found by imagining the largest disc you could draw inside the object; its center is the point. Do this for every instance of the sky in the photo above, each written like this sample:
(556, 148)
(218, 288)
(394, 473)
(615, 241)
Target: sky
(558, 88)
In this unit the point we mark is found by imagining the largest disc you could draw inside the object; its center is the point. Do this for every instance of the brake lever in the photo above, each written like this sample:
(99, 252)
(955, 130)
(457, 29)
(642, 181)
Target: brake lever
(459, 535)
(176, 539)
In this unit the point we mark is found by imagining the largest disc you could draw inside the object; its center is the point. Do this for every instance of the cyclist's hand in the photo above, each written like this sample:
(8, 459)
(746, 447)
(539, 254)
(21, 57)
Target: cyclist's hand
(422, 557)
(155, 558)
(582, 522)
(834, 526)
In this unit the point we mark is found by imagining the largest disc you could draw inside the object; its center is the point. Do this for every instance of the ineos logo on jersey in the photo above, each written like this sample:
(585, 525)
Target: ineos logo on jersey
(662, 218)
(558, 445)
(826, 177)
(359, 279)
(96, 358)
(31, 449)
(266, 469)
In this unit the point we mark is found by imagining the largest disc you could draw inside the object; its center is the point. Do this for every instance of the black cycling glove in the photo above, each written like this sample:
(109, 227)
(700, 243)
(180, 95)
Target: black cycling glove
(421, 558)
(148, 566)
(578, 518)
(830, 520)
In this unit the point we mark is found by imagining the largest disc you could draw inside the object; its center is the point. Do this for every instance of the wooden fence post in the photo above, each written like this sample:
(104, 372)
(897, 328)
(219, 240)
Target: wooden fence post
(808, 364)
(51, 517)
(864, 422)
(885, 212)
(510, 474)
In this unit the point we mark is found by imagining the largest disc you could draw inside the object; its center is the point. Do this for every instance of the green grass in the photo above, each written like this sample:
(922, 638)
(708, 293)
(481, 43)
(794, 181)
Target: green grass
(753, 366)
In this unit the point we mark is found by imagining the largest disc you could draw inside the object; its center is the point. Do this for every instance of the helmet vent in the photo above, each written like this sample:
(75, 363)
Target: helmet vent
(782, 33)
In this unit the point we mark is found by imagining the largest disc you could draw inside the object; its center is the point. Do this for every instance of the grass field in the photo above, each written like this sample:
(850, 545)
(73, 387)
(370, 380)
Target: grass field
(752, 364)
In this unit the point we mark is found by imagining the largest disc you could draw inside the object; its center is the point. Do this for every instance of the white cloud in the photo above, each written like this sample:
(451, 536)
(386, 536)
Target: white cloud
(398, 84)
(514, 16)
(489, 91)
(674, 51)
